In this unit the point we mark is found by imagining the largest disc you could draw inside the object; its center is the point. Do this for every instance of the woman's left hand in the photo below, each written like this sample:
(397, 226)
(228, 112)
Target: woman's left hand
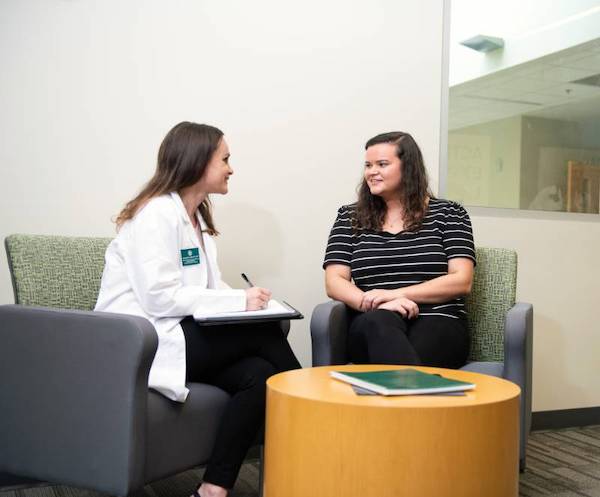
(405, 307)
(374, 298)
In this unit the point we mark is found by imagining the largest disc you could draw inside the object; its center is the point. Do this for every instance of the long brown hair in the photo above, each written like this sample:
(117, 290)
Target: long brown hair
(413, 191)
(182, 159)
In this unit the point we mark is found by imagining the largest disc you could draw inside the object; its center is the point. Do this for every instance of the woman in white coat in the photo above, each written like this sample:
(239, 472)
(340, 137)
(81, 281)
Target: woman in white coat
(163, 266)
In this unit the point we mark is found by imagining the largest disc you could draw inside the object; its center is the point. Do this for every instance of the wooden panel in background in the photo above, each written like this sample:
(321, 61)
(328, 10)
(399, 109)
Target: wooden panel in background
(583, 187)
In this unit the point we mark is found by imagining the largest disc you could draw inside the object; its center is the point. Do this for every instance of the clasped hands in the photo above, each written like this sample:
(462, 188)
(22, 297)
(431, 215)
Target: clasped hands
(390, 300)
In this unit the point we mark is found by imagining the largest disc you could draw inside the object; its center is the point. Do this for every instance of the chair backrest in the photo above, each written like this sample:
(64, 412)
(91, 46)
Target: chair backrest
(56, 271)
(492, 295)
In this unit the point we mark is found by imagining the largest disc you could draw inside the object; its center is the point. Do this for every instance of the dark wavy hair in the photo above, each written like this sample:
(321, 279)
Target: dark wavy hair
(182, 159)
(413, 191)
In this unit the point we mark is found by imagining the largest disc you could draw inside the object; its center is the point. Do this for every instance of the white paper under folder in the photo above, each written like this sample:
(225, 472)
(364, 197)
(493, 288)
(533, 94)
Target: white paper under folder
(274, 309)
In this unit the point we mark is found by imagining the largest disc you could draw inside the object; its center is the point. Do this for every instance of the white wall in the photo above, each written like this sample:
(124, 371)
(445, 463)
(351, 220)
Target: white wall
(90, 87)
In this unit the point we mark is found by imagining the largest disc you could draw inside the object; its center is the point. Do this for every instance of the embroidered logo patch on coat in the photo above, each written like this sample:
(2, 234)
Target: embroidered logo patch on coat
(190, 256)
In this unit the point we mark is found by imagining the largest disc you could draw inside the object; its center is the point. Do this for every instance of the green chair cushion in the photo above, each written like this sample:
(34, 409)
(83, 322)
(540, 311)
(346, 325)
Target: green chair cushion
(56, 271)
(492, 295)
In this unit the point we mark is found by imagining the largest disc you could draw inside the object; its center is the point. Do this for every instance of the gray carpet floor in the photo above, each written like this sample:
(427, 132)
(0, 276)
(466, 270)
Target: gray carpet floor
(560, 463)
(563, 463)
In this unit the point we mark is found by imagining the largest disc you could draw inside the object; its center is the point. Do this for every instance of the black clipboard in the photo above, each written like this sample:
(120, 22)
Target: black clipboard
(242, 319)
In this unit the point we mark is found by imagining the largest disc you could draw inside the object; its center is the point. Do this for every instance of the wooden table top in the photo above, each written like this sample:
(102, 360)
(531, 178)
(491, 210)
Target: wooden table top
(315, 384)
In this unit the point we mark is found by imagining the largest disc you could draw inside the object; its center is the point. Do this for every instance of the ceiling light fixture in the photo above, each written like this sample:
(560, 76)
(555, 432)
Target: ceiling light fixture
(483, 43)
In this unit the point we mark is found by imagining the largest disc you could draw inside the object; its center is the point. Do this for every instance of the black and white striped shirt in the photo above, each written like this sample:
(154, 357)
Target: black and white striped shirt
(382, 260)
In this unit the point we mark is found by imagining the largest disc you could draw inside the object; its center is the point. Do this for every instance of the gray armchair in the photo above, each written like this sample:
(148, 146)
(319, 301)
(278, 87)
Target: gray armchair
(501, 330)
(76, 408)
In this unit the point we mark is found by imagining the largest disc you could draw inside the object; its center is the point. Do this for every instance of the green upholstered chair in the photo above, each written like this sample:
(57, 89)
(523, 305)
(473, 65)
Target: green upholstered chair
(501, 329)
(79, 411)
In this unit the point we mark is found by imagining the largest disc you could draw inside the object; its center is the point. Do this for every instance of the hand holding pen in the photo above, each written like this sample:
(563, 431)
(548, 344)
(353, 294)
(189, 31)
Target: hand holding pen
(256, 297)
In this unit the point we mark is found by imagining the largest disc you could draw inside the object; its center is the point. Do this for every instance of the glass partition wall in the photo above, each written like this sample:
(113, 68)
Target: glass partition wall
(528, 136)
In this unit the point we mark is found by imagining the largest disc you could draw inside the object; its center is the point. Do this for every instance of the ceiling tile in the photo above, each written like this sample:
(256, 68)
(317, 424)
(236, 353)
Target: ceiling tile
(527, 84)
(496, 92)
(546, 100)
(589, 62)
(567, 57)
(572, 91)
(461, 103)
(562, 74)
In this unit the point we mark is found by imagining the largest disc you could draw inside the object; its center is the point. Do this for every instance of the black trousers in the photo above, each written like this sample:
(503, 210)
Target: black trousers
(385, 337)
(238, 359)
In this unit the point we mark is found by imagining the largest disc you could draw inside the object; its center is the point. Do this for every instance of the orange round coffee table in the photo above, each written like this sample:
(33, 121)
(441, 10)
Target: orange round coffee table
(324, 440)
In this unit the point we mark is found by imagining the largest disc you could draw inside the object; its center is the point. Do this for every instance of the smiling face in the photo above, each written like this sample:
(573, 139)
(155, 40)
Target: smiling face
(383, 170)
(217, 172)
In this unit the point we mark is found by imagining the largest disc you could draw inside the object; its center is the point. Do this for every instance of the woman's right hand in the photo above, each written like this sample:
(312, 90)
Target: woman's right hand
(257, 298)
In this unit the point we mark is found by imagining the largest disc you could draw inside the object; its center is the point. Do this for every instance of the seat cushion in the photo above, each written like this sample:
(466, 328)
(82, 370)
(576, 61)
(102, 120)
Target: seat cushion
(181, 436)
(485, 367)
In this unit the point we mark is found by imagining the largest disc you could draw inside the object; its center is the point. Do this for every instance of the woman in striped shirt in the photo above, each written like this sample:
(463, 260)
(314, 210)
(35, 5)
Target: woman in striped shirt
(402, 260)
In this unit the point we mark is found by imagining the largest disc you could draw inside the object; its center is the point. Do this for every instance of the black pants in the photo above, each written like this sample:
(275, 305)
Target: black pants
(385, 337)
(238, 359)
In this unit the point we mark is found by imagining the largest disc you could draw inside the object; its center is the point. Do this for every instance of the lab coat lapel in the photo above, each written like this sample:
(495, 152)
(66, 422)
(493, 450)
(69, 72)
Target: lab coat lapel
(189, 238)
(189, 234)
(209, 247)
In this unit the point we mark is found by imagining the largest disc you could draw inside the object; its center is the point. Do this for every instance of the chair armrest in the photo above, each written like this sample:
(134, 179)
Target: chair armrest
(73, 391)
(518, 357)
(329, 330)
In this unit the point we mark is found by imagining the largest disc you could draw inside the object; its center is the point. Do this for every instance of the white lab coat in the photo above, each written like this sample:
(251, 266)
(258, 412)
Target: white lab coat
(144, 275)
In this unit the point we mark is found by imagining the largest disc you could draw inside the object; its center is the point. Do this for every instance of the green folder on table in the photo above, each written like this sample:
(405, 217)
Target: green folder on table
(402, 382)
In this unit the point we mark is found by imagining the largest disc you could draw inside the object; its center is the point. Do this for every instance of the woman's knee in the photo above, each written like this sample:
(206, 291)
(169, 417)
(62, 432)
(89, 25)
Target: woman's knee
(442, 343)
(257, 371)
(272, 345)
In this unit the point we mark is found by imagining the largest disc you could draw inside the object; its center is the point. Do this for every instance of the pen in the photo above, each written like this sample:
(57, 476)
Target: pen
(250, 284)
